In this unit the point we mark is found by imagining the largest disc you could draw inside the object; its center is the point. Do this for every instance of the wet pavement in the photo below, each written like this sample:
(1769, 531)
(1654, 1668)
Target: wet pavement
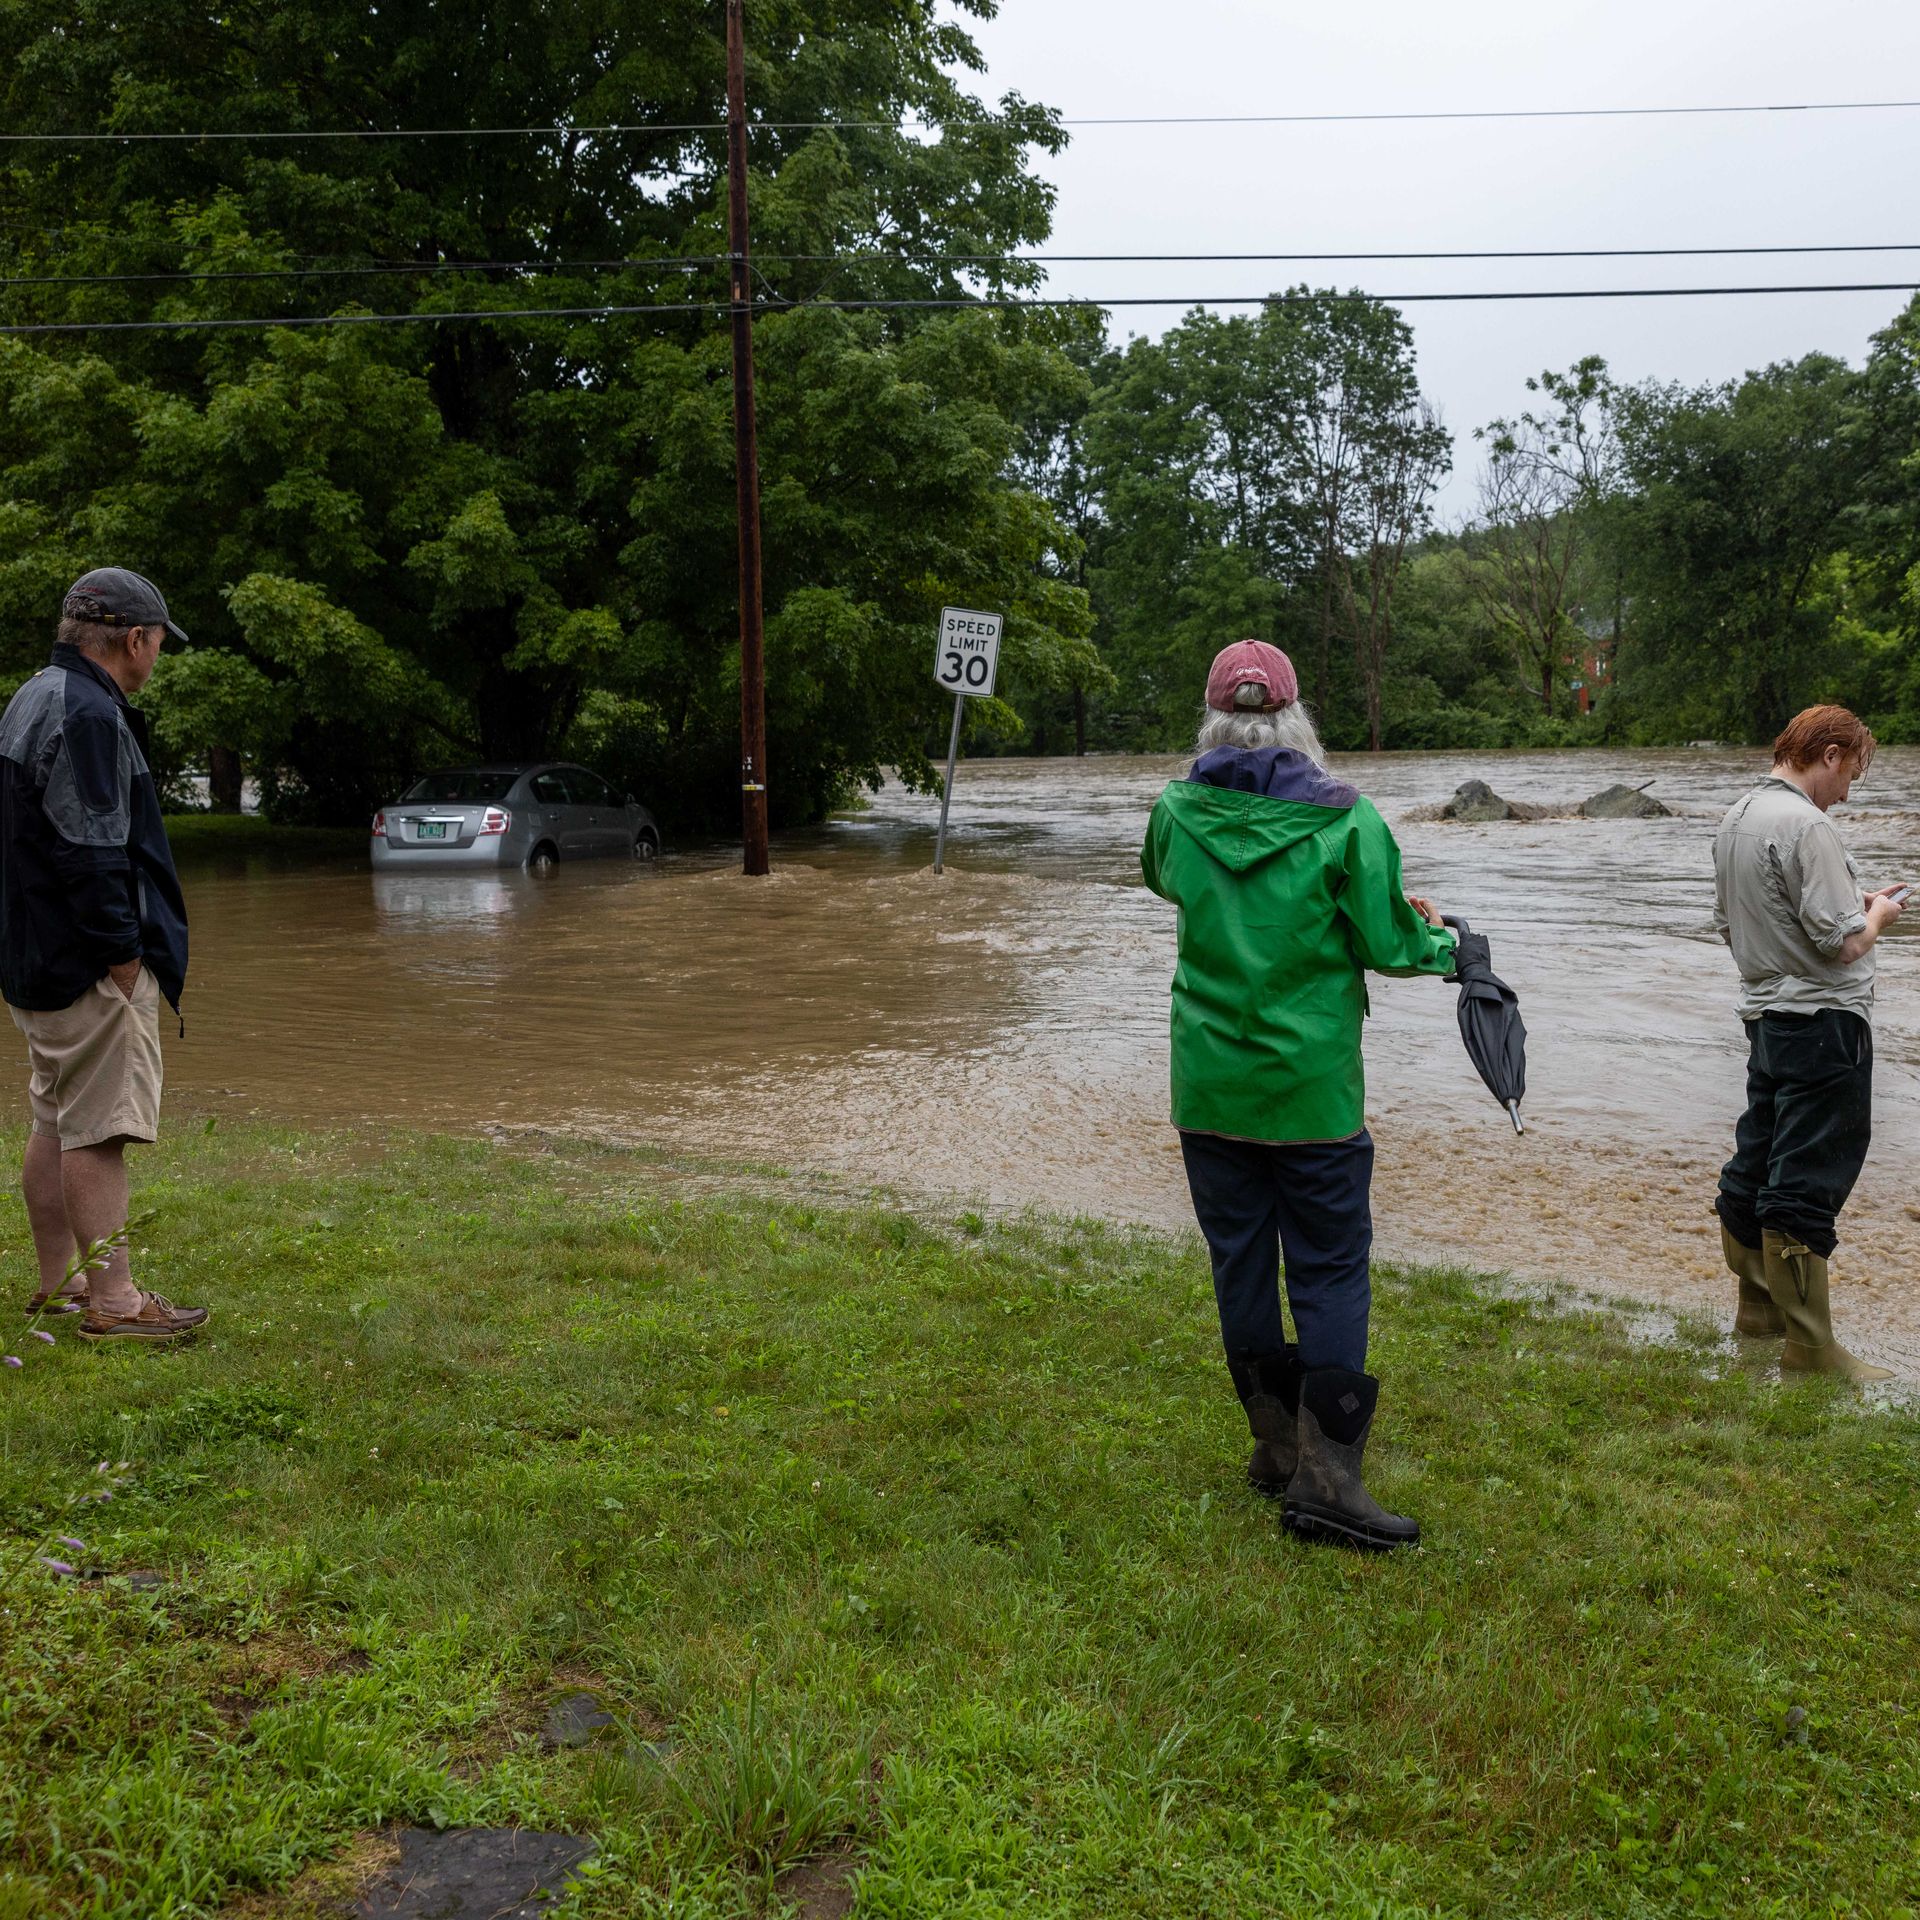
(998, 1035)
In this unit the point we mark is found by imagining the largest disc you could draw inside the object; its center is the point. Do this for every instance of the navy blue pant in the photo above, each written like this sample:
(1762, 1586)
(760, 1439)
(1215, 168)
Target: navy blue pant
(1253, 1199)
(1803, 1139)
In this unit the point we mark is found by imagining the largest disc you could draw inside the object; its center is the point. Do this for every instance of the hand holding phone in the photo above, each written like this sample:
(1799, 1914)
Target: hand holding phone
(1898, 895)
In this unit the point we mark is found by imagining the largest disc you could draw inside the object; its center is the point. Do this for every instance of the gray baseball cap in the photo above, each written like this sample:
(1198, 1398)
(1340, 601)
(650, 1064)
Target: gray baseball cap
(118, 597)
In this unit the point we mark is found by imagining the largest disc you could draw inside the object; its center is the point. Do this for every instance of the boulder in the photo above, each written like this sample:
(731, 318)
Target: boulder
(1477, 801)
(1624, 803)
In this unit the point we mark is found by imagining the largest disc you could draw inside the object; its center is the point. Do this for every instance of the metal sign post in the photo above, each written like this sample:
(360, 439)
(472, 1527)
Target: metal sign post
(966, 656)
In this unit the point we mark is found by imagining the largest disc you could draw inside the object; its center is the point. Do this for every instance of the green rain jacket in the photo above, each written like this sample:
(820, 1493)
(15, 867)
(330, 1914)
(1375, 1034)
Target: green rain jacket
(1288, 885)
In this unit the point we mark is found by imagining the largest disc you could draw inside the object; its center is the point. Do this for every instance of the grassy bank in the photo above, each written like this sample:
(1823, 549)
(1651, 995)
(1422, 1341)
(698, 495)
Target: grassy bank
(217, 838)
(921, 1544)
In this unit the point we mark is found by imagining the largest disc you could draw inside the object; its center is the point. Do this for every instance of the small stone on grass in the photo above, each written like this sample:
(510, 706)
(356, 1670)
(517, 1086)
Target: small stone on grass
(573, 1720)
(818, 1889)
(474, 1873)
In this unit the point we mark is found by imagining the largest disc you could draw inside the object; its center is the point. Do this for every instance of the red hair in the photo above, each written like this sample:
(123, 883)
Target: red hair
(1807, 736)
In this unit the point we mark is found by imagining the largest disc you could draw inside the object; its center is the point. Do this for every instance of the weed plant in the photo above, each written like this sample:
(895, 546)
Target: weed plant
(923, 1540)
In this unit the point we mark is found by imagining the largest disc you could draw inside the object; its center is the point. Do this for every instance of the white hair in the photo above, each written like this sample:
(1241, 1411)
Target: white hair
(1290, 726)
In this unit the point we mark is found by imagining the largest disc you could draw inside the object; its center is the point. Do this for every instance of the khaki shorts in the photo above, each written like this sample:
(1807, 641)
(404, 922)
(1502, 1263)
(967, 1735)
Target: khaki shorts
(96, 1065)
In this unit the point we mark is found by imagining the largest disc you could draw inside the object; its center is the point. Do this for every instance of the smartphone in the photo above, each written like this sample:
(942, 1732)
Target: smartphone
(1898, 895)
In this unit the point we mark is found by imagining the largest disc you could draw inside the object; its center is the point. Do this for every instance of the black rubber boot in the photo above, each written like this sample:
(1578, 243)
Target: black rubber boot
(1326, 1500)
(1269, 1388)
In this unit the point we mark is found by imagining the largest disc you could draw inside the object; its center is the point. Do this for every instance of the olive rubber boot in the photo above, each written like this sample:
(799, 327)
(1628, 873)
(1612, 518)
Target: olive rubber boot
(1797, 1278)
(1269, 1388)
(1326, 1500)
(1756, 1313)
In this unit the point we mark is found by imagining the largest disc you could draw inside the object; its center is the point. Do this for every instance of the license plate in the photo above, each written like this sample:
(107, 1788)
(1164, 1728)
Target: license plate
(431, 830)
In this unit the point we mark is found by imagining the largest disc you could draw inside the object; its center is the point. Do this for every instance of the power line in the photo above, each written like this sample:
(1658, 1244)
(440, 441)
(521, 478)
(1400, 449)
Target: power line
(913, 123)
(379, 267)
(703, 261)
(1037, 303)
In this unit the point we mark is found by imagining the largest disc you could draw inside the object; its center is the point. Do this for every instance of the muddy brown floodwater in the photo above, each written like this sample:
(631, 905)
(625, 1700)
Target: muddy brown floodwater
(998, 1036)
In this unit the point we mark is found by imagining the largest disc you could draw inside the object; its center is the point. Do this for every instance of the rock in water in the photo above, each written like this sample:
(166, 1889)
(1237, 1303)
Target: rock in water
(1477, 801)
(1624, 803)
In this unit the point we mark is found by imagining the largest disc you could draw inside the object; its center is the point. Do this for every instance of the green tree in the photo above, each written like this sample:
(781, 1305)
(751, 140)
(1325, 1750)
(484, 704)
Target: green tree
(488, 536)
(1256, 475)
(1400, 461)
(1878, 585)
(1735, 497)
(1548, 479)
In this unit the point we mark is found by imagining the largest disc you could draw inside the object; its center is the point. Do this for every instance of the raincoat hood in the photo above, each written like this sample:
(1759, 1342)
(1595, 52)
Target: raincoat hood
(1243, 806)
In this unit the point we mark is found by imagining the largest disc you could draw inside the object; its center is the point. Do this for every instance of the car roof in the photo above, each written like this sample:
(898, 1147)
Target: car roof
(515, 767)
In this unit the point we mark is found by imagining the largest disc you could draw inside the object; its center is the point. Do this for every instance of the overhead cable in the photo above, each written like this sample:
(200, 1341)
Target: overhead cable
(993, 302)
(916, 124)
(691, 261)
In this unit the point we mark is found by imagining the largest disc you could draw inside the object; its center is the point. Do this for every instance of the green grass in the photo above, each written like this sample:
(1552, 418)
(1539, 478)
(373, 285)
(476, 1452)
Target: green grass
(925, 1540)
(245, 838)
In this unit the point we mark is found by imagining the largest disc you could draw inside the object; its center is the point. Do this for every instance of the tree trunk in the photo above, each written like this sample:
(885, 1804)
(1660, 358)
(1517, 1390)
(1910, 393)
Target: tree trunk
(1080, 722)
(225, 780)
(1546, 687)
(1323, 660)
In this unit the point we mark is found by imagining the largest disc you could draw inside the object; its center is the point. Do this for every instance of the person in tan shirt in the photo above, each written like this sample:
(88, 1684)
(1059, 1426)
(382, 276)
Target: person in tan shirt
(1788, 903)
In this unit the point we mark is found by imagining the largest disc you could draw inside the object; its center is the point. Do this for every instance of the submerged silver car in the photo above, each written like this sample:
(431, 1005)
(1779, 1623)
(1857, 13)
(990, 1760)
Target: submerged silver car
(531, 815)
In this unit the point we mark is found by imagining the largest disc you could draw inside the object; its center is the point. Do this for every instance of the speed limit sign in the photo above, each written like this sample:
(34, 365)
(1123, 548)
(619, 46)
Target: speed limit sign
(965, 656)
(968, 650)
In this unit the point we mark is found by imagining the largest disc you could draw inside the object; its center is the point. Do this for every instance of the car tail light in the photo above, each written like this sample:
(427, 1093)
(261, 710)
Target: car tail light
(379, 824)
(496, 821)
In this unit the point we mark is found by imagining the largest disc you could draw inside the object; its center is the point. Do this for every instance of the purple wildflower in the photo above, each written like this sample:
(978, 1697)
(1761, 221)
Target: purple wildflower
(11, 1360)
(39, 1335)
(59, 1566)
(67, 1540)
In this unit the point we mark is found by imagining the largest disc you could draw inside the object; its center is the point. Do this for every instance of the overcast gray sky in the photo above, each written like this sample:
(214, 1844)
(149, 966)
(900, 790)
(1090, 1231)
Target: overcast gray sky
(1779, 179)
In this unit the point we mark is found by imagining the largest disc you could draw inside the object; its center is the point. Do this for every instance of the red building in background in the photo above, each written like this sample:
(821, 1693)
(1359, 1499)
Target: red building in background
(1591, 667)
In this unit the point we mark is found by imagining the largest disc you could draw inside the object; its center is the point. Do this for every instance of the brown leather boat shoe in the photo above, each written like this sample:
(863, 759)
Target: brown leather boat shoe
(157, 1320)
(67, 1299)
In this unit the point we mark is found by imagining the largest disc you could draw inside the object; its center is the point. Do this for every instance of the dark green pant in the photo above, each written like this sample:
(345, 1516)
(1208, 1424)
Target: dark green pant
(1803, 1139)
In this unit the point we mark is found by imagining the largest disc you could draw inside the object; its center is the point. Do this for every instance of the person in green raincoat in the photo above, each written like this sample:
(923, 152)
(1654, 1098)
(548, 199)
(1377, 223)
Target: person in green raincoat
(1288, 886)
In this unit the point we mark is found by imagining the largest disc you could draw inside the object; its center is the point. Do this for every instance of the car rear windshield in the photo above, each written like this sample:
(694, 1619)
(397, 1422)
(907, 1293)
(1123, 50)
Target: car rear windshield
(463, 787)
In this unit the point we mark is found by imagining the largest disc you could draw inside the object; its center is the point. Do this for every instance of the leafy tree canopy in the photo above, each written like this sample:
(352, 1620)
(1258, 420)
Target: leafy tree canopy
(403, 543)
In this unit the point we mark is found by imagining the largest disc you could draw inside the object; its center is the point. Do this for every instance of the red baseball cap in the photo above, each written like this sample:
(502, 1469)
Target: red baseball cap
(1251, 663)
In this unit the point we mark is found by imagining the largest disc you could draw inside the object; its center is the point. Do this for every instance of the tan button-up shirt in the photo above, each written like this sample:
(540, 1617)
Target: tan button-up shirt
(1787, 894)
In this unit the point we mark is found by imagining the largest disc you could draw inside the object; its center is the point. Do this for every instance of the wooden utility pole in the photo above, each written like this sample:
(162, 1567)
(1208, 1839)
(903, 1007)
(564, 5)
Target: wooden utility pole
(746, 459)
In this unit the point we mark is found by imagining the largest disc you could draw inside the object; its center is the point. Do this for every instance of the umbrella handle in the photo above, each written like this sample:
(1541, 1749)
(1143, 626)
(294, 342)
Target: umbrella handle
(1454, 921)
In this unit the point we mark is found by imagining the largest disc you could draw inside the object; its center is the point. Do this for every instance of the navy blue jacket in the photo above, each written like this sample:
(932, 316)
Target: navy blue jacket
(86, 876)
(1281, 773)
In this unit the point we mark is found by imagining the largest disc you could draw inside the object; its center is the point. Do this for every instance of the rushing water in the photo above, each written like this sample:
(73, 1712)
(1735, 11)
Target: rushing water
(999, 1034)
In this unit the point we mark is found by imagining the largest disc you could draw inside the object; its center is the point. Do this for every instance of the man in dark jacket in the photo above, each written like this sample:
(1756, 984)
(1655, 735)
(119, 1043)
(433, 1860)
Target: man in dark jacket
(93, 935)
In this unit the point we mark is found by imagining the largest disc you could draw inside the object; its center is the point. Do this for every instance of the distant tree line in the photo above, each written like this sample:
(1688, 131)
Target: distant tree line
(397, 546)
(1642, 564)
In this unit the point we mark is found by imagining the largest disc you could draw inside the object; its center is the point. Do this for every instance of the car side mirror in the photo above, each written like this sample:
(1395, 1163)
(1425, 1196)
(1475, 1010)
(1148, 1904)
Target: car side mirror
(631, 801)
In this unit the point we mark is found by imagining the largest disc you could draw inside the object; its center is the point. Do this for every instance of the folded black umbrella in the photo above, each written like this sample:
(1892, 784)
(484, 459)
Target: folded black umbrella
(1490, 1023)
